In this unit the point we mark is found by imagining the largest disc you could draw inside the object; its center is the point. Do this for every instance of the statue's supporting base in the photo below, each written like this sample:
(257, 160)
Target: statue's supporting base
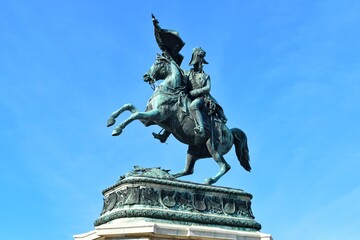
(161, 207)
(142, 230)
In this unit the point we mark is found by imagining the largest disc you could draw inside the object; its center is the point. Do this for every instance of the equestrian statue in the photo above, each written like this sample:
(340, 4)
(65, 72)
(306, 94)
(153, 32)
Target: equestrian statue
(183, 106)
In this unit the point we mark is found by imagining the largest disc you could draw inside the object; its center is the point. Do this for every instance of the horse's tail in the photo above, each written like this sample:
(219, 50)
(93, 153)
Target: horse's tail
(241, 148)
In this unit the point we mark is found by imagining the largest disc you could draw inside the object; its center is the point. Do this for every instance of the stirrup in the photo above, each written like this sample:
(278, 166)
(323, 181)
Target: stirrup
(161, 137)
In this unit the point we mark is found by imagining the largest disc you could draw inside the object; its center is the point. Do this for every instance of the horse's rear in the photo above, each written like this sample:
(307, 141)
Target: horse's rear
(217, 142)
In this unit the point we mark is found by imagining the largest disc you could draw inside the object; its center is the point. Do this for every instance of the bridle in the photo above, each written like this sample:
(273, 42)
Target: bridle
(159, 60)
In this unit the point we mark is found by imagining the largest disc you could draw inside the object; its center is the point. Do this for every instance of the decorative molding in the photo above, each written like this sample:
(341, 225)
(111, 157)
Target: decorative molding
(173, 200)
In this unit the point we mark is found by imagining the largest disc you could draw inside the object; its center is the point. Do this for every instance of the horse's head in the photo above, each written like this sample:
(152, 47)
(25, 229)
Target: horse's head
(159, 70)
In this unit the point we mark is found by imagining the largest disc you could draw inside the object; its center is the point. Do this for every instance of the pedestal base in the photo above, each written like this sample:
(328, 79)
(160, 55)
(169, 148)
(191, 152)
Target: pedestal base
(152, 204)
(142, 230)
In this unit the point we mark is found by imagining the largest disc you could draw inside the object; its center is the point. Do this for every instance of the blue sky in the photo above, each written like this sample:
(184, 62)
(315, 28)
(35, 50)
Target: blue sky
(286, 72)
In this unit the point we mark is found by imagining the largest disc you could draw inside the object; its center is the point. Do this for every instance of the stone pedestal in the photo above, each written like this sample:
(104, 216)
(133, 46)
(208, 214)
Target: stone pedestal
(141, 206)
(142, 230)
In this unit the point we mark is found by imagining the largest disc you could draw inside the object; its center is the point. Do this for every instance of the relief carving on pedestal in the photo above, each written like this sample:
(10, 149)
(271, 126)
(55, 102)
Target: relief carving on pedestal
(178, 201)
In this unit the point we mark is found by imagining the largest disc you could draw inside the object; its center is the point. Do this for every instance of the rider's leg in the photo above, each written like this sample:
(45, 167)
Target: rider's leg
(195, 107)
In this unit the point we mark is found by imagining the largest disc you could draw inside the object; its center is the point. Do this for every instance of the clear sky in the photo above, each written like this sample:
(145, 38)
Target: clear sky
(286, 72)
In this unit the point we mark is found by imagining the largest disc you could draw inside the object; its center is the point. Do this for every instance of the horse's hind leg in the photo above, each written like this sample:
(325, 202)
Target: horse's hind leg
(189, 167)
(220, 160)
(114, 115)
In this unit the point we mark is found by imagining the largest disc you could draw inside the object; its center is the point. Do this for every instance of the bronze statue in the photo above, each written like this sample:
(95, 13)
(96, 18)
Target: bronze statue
(183, 106)
(198, 90)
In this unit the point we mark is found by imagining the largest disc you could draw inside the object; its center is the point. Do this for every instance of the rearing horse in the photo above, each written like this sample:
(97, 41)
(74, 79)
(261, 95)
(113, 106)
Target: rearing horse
(168, 108)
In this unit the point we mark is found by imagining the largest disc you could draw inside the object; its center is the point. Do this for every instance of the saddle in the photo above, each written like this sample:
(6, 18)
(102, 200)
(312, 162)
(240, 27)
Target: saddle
(210, 111)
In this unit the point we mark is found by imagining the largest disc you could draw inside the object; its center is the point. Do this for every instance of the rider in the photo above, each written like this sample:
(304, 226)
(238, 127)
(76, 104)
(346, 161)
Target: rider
(199, 86)
(199, 93)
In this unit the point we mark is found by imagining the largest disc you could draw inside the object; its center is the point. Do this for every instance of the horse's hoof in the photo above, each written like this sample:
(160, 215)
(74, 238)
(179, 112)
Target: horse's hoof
(116, 132)
(209, 181)
(110, 122)
(177, 175)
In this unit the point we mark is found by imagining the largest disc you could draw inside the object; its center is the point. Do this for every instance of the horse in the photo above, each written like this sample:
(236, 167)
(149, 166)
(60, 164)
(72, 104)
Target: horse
(168, 108)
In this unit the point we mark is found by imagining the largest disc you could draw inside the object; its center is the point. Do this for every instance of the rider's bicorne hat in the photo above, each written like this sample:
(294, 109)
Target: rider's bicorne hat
(198, 56)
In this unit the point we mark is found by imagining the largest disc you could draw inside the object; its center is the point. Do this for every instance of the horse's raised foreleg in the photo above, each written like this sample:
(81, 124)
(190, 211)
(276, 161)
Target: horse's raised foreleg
(114, 115)
(220, 160)
(153, 115)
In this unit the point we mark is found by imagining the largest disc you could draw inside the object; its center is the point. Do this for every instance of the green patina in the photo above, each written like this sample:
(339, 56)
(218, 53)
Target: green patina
(143, 194)
(183, 106)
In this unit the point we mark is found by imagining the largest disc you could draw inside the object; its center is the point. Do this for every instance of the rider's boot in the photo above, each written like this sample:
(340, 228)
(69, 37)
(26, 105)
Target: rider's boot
(162, 137)
(199, 129)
